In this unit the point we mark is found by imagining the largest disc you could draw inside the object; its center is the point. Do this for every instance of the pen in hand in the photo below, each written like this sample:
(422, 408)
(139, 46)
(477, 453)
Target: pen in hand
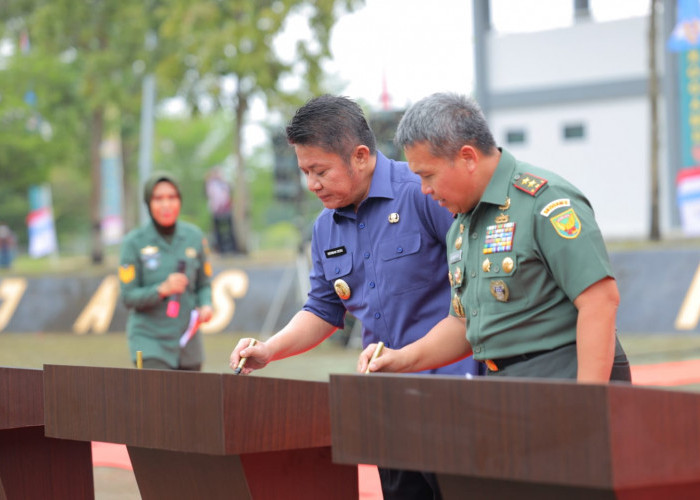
(377, 353)
(241, 363)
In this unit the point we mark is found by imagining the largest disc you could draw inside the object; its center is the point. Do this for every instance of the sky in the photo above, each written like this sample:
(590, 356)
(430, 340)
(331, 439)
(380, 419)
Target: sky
(418, 47)
(421, 47)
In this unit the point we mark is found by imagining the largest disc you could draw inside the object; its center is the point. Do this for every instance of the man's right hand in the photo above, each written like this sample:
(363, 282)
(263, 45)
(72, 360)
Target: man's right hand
(389, 361)
(258, 356)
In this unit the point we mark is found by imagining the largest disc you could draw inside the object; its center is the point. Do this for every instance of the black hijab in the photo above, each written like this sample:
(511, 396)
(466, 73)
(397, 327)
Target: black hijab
(165, 231)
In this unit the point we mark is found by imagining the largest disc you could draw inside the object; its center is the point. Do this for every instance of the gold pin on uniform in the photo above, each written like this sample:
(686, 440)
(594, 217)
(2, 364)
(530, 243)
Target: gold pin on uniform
(457, 306)
(503, 218)
(499, 290)
(507, 264)
(342, 289)
(458, 276)
(458, 241)
(486, 265)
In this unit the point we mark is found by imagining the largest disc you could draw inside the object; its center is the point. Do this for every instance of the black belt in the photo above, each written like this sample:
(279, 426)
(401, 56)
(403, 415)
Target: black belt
(495, 365)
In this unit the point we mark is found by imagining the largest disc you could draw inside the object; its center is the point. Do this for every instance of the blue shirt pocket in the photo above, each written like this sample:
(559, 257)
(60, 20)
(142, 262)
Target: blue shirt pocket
(403, 267)
(337, 267)
(400, 247)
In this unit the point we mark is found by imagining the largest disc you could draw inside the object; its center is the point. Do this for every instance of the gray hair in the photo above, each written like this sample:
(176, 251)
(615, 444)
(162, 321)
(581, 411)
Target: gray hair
(446, 121)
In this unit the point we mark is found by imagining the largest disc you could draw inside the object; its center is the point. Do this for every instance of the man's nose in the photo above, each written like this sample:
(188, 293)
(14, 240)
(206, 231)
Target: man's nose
(312, 183)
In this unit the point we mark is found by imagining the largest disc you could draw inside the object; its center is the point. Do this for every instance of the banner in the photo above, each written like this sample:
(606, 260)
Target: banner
(685, 39)
(688, 194)
(112, 221)
(686, 32)
(40, 225)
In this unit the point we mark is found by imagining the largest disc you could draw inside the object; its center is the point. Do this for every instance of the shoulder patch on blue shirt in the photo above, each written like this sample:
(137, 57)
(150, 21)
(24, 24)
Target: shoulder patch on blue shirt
(335, 252)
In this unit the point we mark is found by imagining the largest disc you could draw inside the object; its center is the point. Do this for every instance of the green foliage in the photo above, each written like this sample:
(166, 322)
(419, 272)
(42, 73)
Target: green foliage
(86, 68)
(190, 147)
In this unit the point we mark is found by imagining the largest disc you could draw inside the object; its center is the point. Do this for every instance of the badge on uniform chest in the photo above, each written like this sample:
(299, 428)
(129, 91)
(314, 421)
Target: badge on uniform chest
(499, 238)
(499, 290)
(335, 252)
(150, 256)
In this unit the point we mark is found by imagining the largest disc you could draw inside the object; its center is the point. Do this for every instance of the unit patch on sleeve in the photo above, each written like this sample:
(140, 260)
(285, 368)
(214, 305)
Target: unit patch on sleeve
(529, 183)
(553, 205)
(567, 224)
(127, 273)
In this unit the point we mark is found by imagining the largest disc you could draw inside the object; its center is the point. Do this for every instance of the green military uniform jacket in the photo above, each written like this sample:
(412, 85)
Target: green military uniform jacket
(146, 261)
(519, 259)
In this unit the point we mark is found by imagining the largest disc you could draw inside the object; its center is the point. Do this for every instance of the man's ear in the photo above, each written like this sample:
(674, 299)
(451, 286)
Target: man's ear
(361, 156)
(469, 155)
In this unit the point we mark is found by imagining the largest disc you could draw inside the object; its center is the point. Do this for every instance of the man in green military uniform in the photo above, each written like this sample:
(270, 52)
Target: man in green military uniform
(165, 275)
(531, 279)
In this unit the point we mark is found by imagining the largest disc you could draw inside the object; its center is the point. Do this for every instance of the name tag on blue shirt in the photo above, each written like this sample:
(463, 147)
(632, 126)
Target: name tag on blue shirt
(335, 252)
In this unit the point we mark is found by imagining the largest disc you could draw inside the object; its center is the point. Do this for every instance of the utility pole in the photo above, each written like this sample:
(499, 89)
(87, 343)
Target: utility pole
(654, 232)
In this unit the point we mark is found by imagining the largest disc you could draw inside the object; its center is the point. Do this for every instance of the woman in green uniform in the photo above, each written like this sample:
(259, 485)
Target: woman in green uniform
(165, 273)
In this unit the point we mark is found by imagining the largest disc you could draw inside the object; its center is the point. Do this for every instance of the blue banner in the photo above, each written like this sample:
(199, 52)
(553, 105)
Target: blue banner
(686, 33)
(40, 225)
(112, 223)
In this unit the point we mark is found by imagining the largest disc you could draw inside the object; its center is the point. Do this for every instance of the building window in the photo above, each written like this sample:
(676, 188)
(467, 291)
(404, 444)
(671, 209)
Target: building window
(515, 136)
(574, 131)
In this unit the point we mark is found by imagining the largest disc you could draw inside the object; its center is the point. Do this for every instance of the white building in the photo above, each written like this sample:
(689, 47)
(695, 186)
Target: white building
(575, 100)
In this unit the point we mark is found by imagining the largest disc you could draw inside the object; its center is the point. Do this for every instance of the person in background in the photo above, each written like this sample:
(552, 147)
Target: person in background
(533, 291)
(7, 246)
(377, 249)
(165, 273)
(218, 193)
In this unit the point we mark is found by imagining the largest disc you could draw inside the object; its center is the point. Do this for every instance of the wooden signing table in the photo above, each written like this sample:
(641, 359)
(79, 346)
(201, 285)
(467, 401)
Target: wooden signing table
(32, 465)
(204, 435)
(522, 438)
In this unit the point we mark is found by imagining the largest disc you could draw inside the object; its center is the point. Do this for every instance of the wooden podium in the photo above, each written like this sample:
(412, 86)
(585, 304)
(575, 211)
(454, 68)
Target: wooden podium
(522, 438)
(204, 435)
(32, 465)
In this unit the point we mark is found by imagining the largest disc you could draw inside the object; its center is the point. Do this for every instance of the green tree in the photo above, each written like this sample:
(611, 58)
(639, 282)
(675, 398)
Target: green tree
(94, 45)
(212, 41)
(88, 58)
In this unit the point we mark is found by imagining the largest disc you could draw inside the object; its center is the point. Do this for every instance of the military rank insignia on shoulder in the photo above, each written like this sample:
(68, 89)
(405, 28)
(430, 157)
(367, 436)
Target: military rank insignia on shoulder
(529, 183)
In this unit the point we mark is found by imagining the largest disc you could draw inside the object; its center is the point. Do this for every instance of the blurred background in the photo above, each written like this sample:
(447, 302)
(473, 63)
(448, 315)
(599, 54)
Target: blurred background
(96, 95)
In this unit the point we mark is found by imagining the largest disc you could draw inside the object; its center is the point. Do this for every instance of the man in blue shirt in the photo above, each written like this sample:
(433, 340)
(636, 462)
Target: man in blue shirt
(378, 252)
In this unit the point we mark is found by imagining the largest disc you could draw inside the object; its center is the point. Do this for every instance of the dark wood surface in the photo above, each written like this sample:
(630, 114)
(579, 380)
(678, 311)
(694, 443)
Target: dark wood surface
(512, 435)
(31, 464)
(186, 411)
(185, 430)
(21, 397)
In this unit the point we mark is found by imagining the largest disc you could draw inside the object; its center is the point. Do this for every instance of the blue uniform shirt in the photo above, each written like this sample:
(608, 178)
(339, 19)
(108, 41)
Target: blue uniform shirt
(391, 255)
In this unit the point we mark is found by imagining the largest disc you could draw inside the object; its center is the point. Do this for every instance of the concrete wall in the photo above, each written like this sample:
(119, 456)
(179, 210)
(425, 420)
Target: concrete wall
(245, 300)
(660, 293)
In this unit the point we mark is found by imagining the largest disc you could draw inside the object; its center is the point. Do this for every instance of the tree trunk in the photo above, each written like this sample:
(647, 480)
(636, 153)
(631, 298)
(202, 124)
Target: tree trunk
(240, 187)
(97, 125)
(131, 201)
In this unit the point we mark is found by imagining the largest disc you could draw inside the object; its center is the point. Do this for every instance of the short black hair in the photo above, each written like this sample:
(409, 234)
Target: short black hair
(334, 123)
